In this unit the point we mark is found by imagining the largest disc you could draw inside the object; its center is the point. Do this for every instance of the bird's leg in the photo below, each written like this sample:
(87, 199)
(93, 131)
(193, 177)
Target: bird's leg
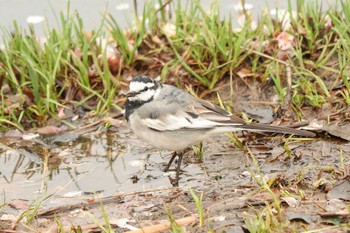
(175, 182)
(178, 169)
(171, 161)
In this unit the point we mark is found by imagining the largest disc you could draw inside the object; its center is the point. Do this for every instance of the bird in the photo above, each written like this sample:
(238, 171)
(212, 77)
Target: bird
(169, 118)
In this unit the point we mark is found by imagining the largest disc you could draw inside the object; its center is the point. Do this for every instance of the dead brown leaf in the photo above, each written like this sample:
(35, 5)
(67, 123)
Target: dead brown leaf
(19, 204)
(340, 191)
(47, 130)
(243, 73)
(342, 131)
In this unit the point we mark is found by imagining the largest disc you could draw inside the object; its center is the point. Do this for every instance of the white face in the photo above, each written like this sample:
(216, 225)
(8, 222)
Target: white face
(139, 86)
(143, 91)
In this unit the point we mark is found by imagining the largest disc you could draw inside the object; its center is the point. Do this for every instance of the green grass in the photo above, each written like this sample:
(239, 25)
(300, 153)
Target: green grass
(174, 226)
(105, 226)
(29, 215)
(73, 67)
(199, 205)
(271, 218)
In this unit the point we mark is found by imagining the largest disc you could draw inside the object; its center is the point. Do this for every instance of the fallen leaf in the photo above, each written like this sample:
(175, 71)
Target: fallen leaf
(19, 204)
(291, 201)
(47, 130)
(243, 73)
(14, 133)
(340, 191)
(30, 136)
(304, 217)
(342, 131)
(73, 194)
(285, 41)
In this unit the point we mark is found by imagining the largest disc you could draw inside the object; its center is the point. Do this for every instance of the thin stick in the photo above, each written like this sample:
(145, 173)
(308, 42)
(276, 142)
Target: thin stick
(164, 226)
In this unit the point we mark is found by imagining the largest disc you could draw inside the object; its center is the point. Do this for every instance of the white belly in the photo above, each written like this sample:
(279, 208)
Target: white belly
(176, 140)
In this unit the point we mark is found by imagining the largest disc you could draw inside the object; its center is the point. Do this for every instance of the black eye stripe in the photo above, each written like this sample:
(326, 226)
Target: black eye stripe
(146, 88)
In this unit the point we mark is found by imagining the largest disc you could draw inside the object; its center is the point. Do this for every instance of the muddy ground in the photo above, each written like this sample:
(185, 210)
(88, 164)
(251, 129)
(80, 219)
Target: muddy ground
(72, 180)
(83, 170)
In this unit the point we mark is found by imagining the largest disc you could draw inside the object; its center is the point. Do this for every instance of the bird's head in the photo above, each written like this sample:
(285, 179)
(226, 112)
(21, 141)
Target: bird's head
(143, 89)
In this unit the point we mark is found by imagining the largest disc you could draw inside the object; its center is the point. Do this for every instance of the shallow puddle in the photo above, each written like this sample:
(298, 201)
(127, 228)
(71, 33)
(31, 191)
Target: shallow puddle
(114, 166)
(72, 166)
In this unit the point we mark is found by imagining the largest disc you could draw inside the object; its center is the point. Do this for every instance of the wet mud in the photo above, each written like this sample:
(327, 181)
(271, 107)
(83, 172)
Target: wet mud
(74, 176)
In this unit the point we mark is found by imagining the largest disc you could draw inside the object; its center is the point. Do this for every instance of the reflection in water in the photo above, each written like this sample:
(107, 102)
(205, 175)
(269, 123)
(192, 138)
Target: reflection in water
(89, 163)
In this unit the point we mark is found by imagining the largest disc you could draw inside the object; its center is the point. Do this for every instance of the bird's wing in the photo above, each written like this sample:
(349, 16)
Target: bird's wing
(211, 111)
(174, 116)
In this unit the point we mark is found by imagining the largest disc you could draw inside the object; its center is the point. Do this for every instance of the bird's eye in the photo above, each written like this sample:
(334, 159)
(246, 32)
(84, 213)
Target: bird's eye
(146, 89)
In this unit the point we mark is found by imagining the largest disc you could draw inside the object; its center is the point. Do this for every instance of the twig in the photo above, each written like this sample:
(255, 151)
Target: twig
(88, 205)
(319, 206)
(164, 226)
(289, 85)
(88, 125)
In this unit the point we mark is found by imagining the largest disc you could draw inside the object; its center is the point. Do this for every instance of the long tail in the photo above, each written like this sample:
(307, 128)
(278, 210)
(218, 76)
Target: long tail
(277, 129)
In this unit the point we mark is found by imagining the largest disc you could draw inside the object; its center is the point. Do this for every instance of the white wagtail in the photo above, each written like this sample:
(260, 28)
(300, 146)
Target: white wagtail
(171, 119)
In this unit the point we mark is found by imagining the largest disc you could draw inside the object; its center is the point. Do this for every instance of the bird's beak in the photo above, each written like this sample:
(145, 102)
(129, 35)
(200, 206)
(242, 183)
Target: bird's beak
(130, 94)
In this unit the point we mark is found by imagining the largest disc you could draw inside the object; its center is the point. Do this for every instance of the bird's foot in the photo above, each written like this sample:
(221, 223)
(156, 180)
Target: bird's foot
(175, 182)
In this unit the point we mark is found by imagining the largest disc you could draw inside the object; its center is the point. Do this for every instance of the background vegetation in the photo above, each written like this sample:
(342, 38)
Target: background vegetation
(72, 67)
